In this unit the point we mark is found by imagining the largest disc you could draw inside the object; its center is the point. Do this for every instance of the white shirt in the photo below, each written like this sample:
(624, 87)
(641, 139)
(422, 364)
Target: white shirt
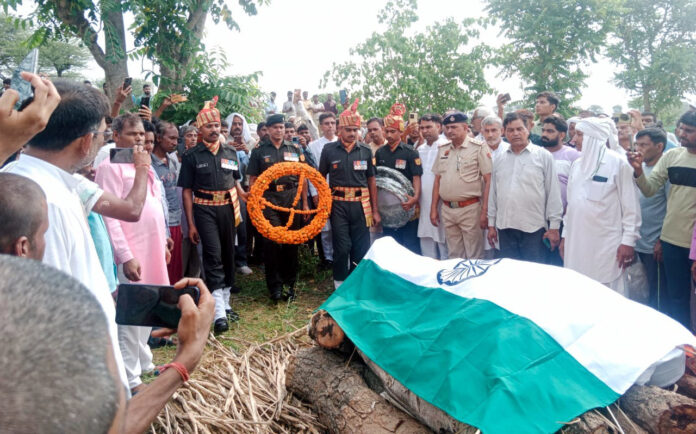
(525, 191)
(603, 212)
(315, 148)
(502, 147)
(428, 155)
(69, 245)
(288, 108)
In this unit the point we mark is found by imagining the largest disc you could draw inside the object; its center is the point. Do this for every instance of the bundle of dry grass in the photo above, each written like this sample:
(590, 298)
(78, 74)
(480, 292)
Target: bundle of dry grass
(240, 392)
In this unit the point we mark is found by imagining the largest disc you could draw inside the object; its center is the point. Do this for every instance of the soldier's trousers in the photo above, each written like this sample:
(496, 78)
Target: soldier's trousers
(350, 236)
(280, 259)
(406, 235)
(216, 228)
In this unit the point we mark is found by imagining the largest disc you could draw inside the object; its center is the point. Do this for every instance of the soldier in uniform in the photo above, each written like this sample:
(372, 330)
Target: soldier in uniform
(210, 180)
(280, 259)
(401, 157)
(461, 165)
(351, 171)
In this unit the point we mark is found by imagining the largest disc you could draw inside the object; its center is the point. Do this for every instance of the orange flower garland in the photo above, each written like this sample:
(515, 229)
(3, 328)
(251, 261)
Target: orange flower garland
(282, 234)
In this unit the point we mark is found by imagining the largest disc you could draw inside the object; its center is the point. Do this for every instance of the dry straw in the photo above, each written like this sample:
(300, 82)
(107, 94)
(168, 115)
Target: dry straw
(240, 393)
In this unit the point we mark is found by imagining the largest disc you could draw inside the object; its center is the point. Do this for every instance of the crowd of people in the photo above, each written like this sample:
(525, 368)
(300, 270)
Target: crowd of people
(107, 197)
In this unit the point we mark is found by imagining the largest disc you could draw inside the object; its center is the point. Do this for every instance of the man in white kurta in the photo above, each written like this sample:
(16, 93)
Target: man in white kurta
(602, 222)
(327, 123)
(432, 238)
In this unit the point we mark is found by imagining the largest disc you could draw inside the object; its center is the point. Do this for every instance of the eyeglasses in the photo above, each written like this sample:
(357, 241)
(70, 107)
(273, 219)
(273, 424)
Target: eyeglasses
(104, 133)
(622, 117)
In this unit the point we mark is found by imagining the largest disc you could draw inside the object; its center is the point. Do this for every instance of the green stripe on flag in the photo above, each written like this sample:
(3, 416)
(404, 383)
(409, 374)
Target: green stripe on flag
(480, 363)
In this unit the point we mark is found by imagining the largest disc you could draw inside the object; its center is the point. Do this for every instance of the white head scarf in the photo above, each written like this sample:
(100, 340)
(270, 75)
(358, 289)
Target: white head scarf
(246, 133)
(595, 132)
(574, 120)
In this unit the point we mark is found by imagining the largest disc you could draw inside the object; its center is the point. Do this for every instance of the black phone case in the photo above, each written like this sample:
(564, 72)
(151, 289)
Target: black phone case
(150, 305)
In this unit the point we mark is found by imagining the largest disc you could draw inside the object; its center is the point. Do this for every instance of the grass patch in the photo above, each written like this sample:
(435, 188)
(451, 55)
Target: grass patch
(262, 319)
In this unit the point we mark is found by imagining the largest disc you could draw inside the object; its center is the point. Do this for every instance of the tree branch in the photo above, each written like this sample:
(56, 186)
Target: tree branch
(65, 10)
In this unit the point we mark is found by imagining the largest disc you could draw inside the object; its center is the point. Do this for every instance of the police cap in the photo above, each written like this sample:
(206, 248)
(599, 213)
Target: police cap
(275, 119)
(455, 117)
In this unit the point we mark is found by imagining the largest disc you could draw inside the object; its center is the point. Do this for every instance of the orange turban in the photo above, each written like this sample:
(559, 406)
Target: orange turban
(395, 117)
(208, 114)
(350, 117)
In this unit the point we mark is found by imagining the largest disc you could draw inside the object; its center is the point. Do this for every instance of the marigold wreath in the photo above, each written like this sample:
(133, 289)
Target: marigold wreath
(283, 234)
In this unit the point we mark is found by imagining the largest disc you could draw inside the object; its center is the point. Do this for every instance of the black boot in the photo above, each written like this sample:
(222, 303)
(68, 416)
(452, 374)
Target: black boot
(232, 316)
(220, 326)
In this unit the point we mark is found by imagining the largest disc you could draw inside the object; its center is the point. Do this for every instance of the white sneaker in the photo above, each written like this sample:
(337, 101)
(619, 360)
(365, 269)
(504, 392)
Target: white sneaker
(245, 270)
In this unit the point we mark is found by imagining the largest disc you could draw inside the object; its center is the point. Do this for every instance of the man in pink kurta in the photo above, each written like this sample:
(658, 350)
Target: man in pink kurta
(139, 247)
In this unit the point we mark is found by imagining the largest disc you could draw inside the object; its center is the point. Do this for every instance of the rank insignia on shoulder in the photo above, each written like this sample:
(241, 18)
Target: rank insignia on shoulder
(417, 161)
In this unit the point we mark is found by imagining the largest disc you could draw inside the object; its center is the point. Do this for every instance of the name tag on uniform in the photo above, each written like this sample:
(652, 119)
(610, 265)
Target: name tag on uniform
(229, 164)
(400, 164)
(266, 158)
(201, 165)
(360, 165)
(291, 156)
(598, 178)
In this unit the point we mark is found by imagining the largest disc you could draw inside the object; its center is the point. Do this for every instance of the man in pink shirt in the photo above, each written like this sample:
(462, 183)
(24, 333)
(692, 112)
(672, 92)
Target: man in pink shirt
(139, 247)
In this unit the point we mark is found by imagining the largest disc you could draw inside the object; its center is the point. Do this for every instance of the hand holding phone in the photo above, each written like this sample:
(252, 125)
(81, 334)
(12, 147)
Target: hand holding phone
(151, 305)
(127, 82)
(121, 155)
(194, 326)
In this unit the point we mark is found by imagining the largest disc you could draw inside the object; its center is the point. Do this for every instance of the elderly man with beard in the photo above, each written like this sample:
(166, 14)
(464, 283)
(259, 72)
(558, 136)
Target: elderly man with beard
(679, 167)
(602, 221)
(210, 175)
(351, 171)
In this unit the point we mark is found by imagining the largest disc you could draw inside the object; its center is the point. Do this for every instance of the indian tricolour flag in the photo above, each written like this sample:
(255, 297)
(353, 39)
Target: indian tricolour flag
(506, 346)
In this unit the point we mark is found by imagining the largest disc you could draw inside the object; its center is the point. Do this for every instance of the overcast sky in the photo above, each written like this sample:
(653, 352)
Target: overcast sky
(293, 42)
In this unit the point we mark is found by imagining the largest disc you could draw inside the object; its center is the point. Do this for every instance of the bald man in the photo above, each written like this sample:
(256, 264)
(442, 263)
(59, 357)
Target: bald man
(24, 217)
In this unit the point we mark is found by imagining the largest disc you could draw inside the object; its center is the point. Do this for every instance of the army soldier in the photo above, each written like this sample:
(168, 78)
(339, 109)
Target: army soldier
(401, 157)
(210, 180)
(354, 191)
(280, 259)
(460, 165)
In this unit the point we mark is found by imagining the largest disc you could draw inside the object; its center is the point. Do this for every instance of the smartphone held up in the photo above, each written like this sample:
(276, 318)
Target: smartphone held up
(151, 305)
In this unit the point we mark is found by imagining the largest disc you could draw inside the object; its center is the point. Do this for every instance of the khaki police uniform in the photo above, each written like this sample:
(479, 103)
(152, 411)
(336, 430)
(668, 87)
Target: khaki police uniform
(461, 170)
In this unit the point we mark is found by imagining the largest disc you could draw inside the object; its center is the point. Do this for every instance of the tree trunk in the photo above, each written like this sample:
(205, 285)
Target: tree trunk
(112, 59)
(658, 410)
(687, 386)
(341, 398)
(328, 334)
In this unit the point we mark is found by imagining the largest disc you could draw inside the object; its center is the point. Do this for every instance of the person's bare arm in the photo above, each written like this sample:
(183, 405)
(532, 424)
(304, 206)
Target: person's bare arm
(130, 208)
(121, 95)
(166, 102)
(193, 331)
(17, 128)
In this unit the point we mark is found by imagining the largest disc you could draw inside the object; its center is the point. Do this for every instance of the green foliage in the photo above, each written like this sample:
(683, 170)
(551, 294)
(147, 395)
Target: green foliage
(57, 58)
(430, 71)
(551, 42)
(654, 43)
(205, 80)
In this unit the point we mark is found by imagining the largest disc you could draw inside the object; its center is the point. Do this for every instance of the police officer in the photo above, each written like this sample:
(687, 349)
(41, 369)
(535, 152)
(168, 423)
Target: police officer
(403, 158)
(280, 259)
(210, 180)
(354, 192)
(461, 165)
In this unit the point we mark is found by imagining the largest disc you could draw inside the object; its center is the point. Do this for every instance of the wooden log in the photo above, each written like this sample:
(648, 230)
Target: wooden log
(591, 422)
(328, 334)
(657, 410)
(687, 386)
(341, 398)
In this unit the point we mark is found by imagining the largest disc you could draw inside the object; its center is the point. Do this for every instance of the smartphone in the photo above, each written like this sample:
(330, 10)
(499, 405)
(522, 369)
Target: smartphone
(145, 101)
(506, 98)
(121, 155)
(127, 82)
(343, 95)
(25, 90)
(412, 117)
(151, 305)
(547, 243)
(296, 140)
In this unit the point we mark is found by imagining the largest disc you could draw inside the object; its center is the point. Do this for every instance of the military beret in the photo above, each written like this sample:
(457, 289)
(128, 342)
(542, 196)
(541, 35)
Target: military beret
(455, 117)
(275, 119)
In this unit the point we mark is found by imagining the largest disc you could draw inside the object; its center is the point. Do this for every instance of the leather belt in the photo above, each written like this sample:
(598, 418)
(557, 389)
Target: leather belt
(461, 204)
(216, 196)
